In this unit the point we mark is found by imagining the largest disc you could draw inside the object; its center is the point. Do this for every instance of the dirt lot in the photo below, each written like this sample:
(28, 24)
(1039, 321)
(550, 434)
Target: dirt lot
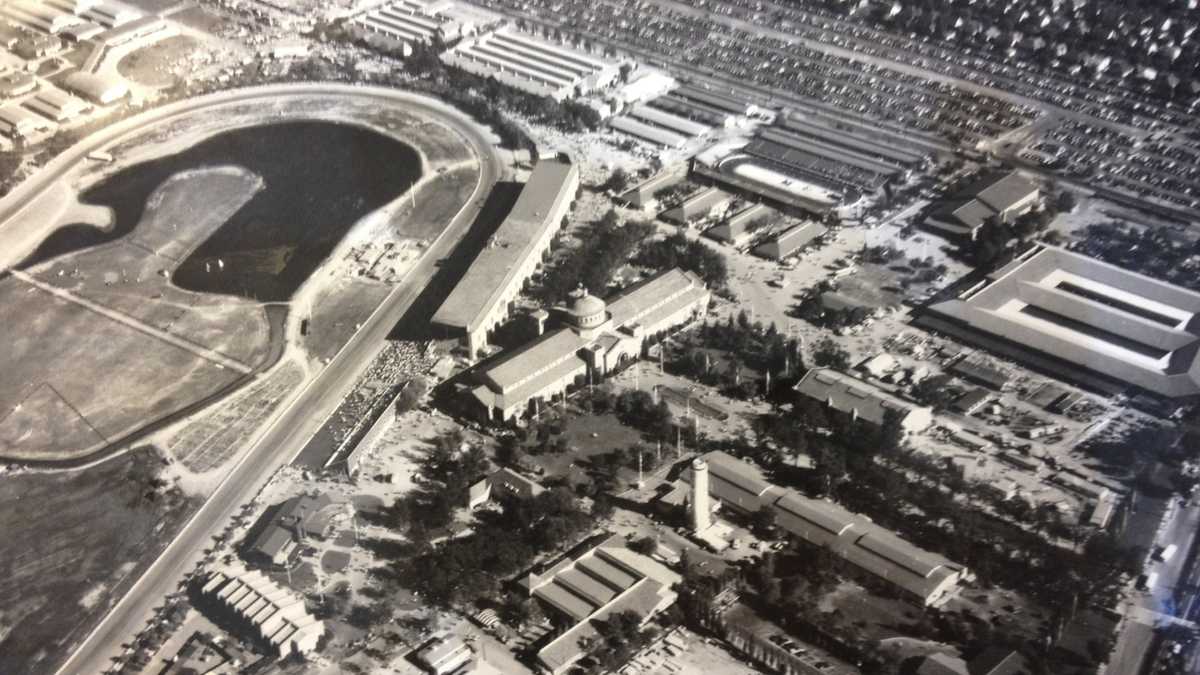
(62, 575)
(152, 66)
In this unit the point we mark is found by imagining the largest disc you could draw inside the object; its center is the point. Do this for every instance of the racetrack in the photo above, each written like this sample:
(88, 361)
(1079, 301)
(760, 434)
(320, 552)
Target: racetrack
(300, 416)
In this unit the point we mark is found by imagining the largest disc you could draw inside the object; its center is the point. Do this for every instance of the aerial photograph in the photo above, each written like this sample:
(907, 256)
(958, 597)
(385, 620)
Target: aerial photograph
(585, 337)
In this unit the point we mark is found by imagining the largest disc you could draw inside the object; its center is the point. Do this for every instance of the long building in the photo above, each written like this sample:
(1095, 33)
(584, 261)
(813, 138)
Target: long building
(861, 400)
(482, 299)
(532, 65)
(274, 614)
(1081, 319)
(606, 580)
(597, 338)
(861, 544)
(412, 22)
(791, 240)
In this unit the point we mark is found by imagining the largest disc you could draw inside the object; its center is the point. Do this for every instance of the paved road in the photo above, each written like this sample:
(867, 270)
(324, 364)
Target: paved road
(1159, 605)
(292, 428)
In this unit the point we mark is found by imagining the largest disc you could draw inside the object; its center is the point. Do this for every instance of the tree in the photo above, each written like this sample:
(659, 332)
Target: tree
(829, 354)
(1066, 201)
(617, 181)
(763, 521)
(646, 545)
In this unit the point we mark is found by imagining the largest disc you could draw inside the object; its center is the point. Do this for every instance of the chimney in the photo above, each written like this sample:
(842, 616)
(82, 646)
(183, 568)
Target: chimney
(701, 511)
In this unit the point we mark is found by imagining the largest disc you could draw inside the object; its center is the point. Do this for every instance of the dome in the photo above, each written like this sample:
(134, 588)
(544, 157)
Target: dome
(587, 305)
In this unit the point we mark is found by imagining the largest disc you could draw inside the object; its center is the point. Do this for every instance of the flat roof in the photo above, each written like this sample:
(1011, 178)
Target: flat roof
(647, 132)
(1124, 326)
(494, 270)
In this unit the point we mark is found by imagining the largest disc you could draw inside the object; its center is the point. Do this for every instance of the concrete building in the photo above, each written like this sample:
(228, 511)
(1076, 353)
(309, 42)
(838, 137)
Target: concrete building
(859, 543)
(445, 655)
(791, 241)
(700, 509)
(736, 228)
(694, 110)
(1080, 319)
(697, 206)
(1003, 196)
(482, 299)
(716, 100)
(532, 65)
(582, 592)
(680, 125)
(861, 400)
(99, 89)
(596, 339)
(271, 613)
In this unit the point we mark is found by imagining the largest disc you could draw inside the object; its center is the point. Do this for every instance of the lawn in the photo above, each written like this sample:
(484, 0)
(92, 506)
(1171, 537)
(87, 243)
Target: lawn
(588, 435)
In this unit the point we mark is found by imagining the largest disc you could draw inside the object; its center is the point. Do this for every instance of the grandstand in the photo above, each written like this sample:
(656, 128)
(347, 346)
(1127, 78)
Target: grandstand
(856, 141)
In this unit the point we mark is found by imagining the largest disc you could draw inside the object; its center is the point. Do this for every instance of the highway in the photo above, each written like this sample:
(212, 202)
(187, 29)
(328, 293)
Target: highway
(287, 434)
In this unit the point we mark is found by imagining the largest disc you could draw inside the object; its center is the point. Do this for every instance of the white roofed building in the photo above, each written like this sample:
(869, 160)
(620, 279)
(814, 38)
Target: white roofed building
(273, 614)
(861, 400)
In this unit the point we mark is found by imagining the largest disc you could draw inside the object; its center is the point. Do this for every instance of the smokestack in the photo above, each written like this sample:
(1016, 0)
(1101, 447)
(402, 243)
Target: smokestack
(701, 511)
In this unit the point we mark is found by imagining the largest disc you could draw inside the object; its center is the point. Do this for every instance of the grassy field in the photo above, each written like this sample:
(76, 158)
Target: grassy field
(73, 542)
(73, 379)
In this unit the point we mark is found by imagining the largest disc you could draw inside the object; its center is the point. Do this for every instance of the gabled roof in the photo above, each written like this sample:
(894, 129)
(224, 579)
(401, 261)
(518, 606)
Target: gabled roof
(848, 394)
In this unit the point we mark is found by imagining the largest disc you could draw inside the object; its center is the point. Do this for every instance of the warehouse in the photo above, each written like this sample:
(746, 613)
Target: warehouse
(1002, 196)
(648, 132)
(791, 241)
(57, 105)
(736, 228)
(17, 122)
(596, 338)
(856, 141)
(862, 401)
(642, 194)
(717, 100)
(606, 580)
(532, 65)
(666, 120)
(698, 112)
(859, 543)
(1081, 319)
(412, 22)
(16, 83)
(481, 300)
(697, 206)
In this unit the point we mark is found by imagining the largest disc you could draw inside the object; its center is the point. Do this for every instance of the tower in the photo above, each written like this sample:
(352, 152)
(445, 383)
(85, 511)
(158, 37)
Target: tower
(701, 511)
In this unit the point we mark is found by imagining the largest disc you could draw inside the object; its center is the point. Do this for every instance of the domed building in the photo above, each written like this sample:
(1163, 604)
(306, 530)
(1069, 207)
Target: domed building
(593, 339)
(585, 311)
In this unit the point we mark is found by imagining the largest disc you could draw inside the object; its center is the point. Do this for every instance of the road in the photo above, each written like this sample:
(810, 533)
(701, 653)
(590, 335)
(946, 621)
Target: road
(295, 424)
(1160, 604)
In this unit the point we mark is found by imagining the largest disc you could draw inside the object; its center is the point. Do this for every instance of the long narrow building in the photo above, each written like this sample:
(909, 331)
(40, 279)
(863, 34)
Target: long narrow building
(482, 299)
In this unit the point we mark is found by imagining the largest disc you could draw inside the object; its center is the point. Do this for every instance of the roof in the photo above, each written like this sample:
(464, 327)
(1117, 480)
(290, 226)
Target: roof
(942, 664)
(495, 270)
(792, 239)
(822, 523)
(648, 132)
(713, 99)
(996, 661)
(1053, 304)
(848, 394)
(990, 196)
(656, 297)
(971, 399)
(99, 88)
(524, 365)
(516, 484)
(605, 580)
